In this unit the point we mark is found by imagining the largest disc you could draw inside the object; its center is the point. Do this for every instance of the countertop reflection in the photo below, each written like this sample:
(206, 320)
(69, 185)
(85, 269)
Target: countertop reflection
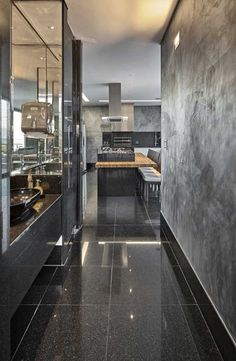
(38, 209)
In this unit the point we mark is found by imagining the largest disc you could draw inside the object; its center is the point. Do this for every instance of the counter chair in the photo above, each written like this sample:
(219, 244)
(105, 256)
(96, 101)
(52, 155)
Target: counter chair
(149, 178)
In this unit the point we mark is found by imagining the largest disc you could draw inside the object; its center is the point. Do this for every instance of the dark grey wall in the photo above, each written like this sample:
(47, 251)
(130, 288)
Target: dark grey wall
(199, 122)
(147, 118)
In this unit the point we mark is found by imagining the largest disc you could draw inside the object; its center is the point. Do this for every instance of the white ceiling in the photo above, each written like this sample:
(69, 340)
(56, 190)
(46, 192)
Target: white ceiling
(121, 44)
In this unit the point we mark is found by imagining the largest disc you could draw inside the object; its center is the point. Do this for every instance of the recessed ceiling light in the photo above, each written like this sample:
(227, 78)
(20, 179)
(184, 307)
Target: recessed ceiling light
(52, 27)
(42, 58)
(85, 99)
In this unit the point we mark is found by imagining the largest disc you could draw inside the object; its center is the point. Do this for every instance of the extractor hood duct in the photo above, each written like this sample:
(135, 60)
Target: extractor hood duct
(121, 117)
(115, 113)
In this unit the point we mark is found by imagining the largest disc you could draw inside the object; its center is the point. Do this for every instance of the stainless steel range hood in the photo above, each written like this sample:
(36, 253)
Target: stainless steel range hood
(120, 117)
(115, 114)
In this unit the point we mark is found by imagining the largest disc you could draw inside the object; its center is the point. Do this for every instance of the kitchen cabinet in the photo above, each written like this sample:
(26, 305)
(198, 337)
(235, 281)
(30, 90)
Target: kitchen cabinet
(132, 139)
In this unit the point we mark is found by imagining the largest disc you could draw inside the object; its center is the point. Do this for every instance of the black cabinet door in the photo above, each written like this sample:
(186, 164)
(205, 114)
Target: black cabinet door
(107, 139)
(143, 139)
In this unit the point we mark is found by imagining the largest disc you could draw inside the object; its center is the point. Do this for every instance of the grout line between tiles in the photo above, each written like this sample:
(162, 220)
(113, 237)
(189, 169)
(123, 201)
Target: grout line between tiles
(190, 331)
(109, 307)
(114, 234)
(28, 326)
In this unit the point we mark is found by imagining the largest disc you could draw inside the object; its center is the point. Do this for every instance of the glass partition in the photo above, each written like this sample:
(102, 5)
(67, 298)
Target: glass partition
(4, 132)
(37, 87)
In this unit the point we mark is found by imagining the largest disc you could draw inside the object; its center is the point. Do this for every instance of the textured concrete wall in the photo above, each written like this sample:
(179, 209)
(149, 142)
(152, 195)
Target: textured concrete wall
(147, 119)
(199, 122)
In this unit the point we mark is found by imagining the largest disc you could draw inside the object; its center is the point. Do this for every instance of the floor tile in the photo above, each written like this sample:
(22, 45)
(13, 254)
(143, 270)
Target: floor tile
(65, 333)
(96, 233)
(101, 210)
(130, 210)
(154, 217)
(139, 286)
(79, 285)
(128, 218)
(123, 296)
(134, 334)
(91, 254)
(157, 230)
(158, 333)
(205, 344)
(137, 256)
(134, 233)
(177, 341)
(155, 221)
(143, 282)
(39, 286)
(19, 323)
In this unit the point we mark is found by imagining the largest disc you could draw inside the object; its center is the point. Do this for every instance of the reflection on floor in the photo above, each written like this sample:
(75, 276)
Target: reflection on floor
(123, 295)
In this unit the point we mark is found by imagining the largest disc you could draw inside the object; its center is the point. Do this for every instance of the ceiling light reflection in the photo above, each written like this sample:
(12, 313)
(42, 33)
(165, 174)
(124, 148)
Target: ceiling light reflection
(177, 40)
(84, 251)
(85, 98)
(133, 101)
(133, 242)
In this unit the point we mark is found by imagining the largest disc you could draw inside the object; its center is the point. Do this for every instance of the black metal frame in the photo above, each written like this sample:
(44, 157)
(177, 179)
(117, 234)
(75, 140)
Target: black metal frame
(77, 110)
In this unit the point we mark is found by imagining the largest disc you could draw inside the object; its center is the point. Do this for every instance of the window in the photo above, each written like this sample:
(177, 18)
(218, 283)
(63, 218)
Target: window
(18, 135)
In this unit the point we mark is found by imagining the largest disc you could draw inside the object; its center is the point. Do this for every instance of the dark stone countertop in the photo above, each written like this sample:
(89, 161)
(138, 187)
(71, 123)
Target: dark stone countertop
(39, 208)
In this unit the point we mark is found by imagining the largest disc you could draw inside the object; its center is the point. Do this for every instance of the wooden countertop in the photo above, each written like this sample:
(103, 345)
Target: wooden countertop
(140, 161)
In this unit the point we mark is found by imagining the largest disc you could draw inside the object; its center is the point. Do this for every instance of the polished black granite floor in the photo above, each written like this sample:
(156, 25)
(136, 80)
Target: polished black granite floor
(122, 296)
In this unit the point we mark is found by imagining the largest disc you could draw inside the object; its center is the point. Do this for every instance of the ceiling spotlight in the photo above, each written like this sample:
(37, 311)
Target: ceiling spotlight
(52, 27)
(42, 58)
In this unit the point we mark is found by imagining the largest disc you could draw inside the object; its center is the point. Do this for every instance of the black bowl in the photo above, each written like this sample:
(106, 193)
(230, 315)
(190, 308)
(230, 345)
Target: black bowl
(22, 200)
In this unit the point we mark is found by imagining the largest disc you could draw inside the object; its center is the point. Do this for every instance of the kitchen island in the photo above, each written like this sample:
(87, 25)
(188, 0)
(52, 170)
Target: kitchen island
(118, 178)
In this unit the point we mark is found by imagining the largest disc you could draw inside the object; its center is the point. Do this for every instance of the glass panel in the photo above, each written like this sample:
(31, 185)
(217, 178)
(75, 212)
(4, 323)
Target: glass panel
(4, 135)
(4, 127)
(69, 142)
(37, 74)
